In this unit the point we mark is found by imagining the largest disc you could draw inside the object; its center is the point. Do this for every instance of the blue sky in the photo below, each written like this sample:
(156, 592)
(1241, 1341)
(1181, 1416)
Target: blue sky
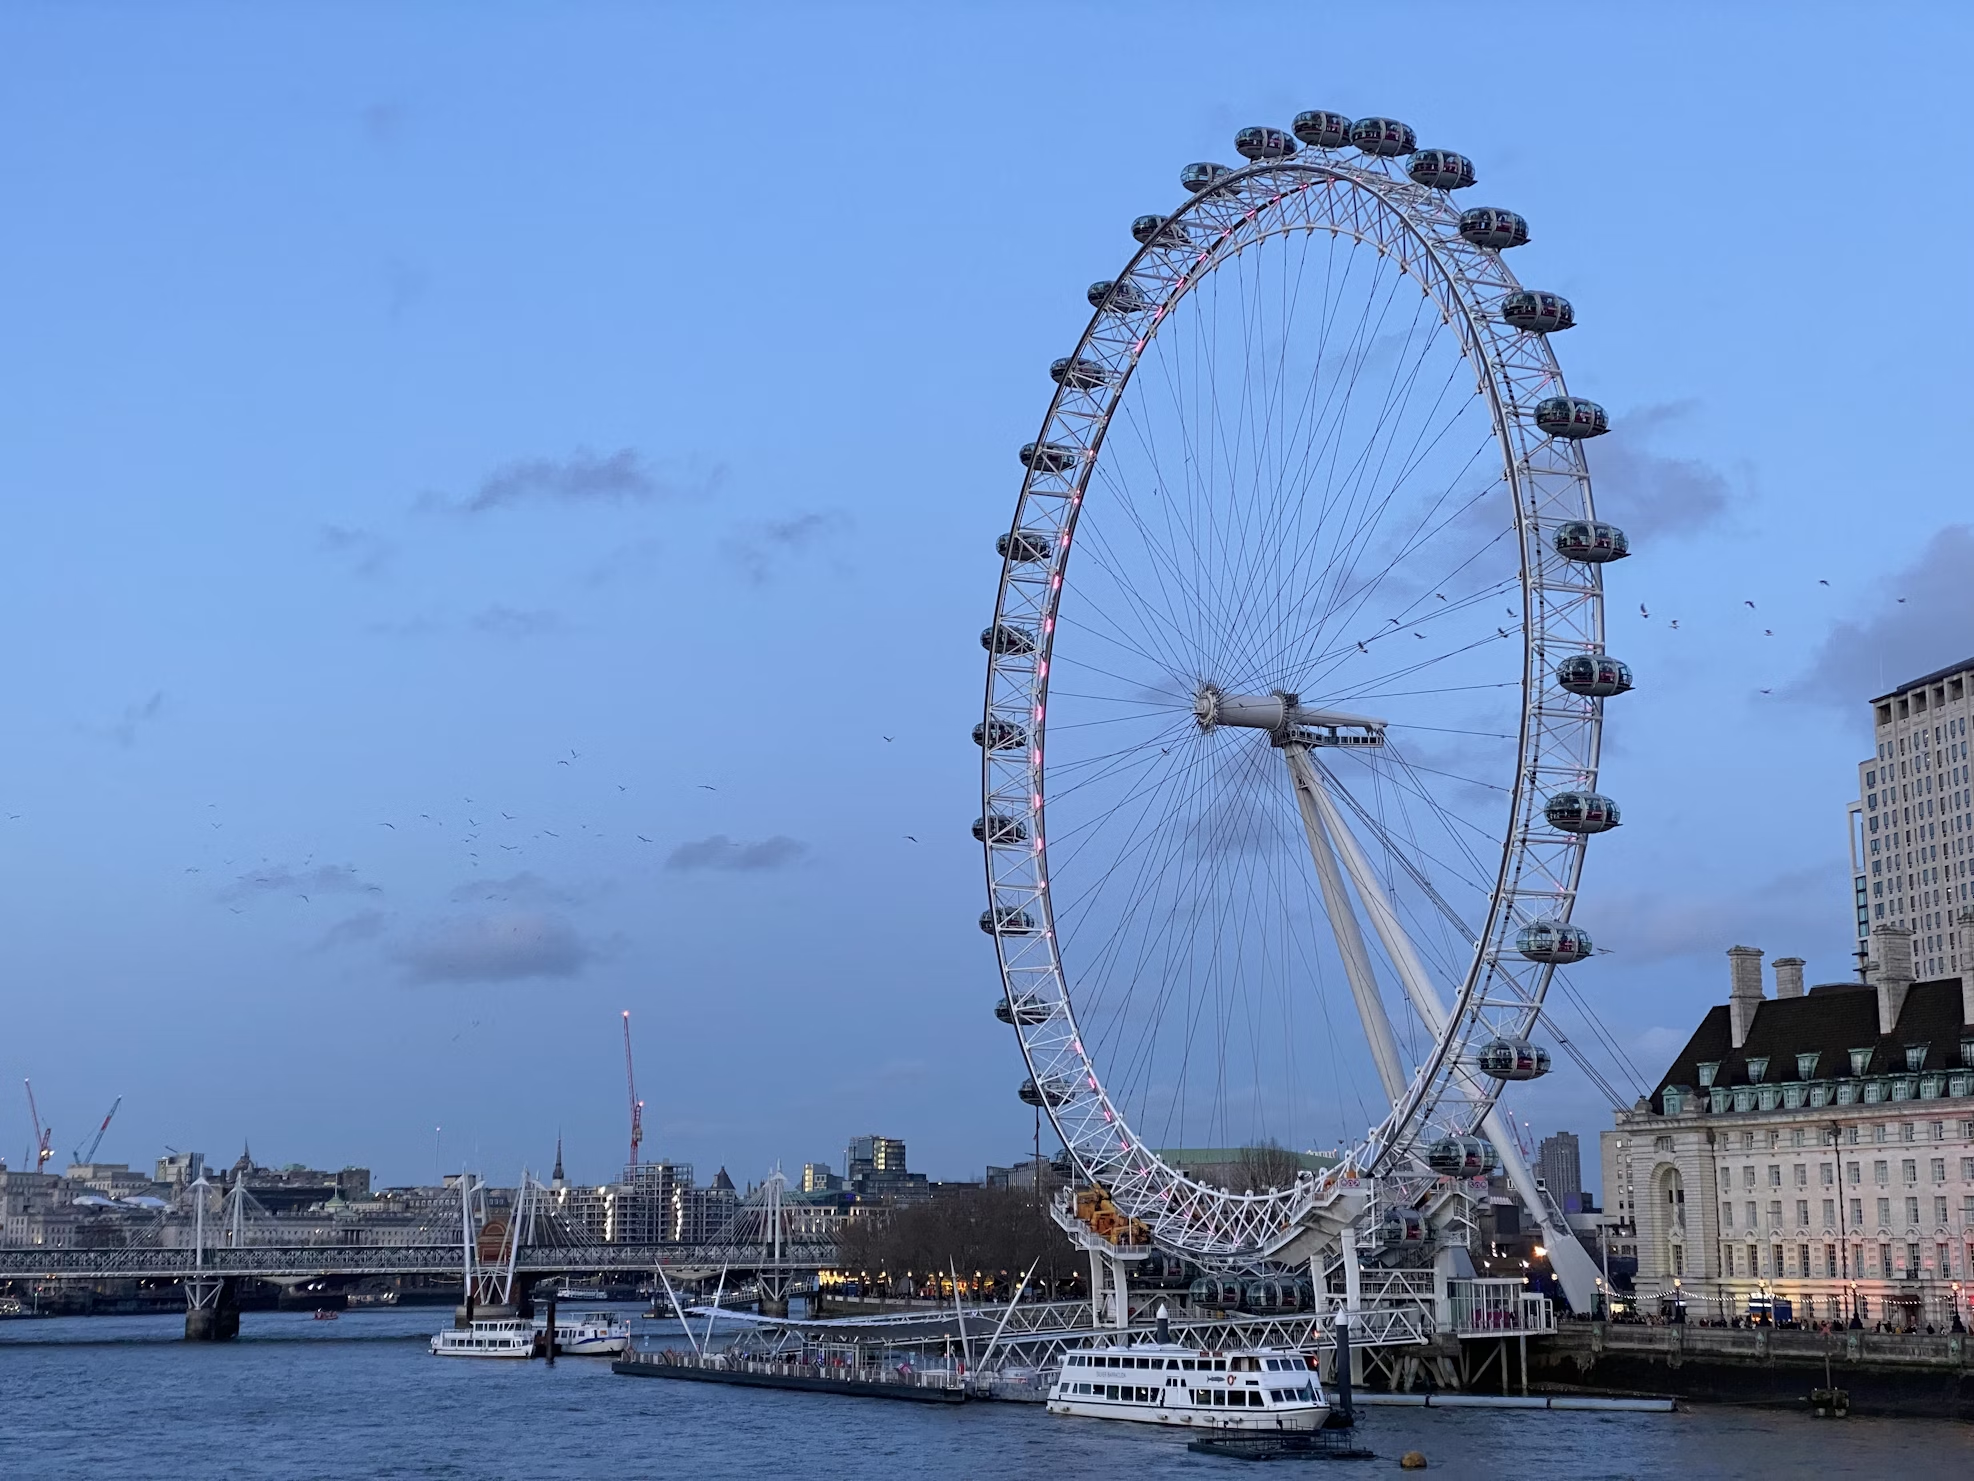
(401, 405)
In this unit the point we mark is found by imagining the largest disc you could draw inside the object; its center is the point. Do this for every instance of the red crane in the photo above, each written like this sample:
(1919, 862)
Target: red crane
(42, 1135)
(630, 1082)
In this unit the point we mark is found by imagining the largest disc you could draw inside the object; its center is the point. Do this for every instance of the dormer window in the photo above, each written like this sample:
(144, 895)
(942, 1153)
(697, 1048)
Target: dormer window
(1806, 1065)
(1967, 1052)
(1860, 1061)
(1757, 1067)
(1915, 1056)
(1708, 1071)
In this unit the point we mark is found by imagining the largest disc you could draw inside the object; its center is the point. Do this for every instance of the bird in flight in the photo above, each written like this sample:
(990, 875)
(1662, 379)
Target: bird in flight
(1675, 624)
(910, 839)
(1441, 595)
(509, 816)
(622, 788)
(1641, 610)
(302, 898)
(1902, 601)
(1362, 649)
(1821, 582)
(1749, 605)
(561, 763)
(642, 839)
(887, 738)
(514, 848)
(1768, 691)
(1768, 632)
(551, 835)
(392, 826)
(704, 788)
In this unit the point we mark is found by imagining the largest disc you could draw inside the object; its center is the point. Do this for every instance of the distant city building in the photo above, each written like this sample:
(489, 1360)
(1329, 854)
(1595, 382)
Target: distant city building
(1913, 818)
(1026, 1174)
(874, 1172)
(180, 1169)
(819, 1177)
(1560, 1166)
(295, 1187)
(701, 1214)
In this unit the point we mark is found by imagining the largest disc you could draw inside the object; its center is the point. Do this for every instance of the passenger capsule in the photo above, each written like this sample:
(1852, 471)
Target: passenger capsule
(1007, 920)
(1404, 1225)
(1594, 675)
(1115, 297)
(999, 828)
(1078, 374)
(1538, 313)
(1000, 735)
(1462, 1157)
(1384, 137)
(1047, 457)
(1512, 1059)
(1571, 417)
(1024, 1012)
(1591, 540)
(1197, 177)
(1024, 546)
(1555, 942)
(1490, 226)
(1005, 638)
(1321, 129)
(1263, 143)
(1161, 229)
(1051, 1092)
(1581, 812)
(1441, 169)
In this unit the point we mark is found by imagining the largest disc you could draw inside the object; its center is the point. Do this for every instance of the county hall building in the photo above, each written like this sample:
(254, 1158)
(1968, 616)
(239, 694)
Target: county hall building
(1817, 1143)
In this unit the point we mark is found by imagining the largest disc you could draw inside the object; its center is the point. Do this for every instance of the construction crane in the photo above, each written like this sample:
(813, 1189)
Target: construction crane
(42, 1135)
(97, 1140)
(630, 1082)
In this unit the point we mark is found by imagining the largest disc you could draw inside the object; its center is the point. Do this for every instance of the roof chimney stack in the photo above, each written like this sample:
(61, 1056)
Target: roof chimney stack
(1744, 989)
(1788, 977)
(1891, 972)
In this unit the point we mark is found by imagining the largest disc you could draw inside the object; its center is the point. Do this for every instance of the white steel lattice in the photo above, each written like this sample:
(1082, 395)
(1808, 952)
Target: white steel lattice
(1372, 206)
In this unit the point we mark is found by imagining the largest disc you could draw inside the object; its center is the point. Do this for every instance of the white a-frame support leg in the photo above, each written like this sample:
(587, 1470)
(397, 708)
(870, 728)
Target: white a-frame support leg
(1571, 1262)
(1343, 925)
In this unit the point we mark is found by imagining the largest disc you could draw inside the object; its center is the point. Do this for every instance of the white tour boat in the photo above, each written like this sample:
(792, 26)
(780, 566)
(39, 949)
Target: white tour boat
(594, 1334)
(1166, 1383)
(504, 1337)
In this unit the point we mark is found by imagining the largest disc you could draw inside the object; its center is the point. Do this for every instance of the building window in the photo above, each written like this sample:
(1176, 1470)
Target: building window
(1708, 1071)
(1939, 1169)
(1884, 1213)
(1829, 1212)
(1802, 1213)
(1912, 1213)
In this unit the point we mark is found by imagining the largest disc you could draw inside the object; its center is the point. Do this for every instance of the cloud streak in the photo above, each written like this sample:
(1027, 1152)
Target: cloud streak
(1918, 620)
(503, 946)
(1648, 494)
(760, 550)
(324, 879)
(582, 480)
(124, 731)
(722, 852)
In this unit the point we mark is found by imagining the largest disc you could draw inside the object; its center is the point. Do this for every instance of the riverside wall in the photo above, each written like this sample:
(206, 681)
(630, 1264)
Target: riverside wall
(1887, 1373)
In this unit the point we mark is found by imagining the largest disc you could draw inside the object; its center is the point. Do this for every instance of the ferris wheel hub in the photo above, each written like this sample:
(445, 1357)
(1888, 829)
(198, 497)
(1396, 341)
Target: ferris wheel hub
(1285, 717)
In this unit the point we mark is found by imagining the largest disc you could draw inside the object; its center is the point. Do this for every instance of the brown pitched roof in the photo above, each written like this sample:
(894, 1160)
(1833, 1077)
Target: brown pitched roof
(1830, 1021)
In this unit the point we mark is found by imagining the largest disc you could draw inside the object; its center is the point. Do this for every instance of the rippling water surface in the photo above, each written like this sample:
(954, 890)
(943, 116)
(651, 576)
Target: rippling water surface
(91, 1398)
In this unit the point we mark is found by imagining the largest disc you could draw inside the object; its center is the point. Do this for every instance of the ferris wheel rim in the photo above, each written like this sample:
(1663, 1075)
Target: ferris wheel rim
(1400, 205)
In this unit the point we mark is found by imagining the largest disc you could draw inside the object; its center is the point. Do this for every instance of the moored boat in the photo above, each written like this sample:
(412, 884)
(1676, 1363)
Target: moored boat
(504, 1337)
(594, 1334)
(1168, 1383)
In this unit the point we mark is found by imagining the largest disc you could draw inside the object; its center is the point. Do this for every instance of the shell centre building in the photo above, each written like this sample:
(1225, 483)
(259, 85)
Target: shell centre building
(1817, 1144)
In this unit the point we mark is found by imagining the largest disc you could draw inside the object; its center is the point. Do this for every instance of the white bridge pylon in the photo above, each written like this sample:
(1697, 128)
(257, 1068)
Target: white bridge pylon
(1295, 731)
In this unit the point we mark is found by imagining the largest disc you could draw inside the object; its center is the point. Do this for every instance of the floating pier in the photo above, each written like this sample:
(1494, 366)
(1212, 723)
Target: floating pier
(913, 1385)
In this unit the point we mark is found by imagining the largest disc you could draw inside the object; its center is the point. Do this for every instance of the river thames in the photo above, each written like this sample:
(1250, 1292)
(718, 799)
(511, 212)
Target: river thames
(113, 1397)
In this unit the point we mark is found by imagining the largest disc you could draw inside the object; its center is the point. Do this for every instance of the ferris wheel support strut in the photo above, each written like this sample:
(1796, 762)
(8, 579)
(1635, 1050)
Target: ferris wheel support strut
(1343, 923)
(1572, 1264)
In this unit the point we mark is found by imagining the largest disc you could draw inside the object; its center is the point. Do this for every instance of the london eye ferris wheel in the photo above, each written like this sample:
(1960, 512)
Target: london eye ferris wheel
(1294, 689)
